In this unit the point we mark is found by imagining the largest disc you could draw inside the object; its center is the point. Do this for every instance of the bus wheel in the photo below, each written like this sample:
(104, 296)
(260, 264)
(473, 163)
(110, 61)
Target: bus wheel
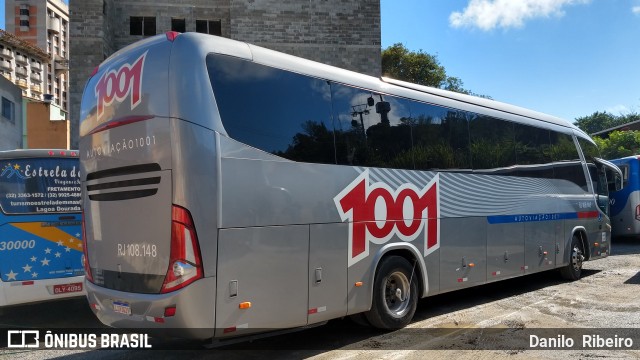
(395, 294)
(574, 269)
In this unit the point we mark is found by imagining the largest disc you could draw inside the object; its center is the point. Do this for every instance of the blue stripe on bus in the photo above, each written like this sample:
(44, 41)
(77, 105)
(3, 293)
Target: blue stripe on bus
(507, 219)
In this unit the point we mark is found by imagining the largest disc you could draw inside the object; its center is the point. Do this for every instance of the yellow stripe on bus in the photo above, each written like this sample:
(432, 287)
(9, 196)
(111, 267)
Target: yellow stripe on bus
(52, 234)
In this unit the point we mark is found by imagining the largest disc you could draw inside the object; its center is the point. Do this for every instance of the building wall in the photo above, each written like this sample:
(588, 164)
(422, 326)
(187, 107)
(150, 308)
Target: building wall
(340, 33)
(336, 32)
(24, 64)
(52, 36)
(190, 10)
(11, 131)
(44, 133)
(92, 41)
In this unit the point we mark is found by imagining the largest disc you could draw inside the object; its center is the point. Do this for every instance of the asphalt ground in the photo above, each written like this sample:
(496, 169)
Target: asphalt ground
(605, 297)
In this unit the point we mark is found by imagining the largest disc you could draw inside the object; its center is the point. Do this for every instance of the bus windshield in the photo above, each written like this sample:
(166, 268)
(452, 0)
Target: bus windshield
(39, 185)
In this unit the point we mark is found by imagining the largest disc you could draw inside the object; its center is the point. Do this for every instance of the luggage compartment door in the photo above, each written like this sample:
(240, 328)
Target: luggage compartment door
(268, 268)
(505, 251)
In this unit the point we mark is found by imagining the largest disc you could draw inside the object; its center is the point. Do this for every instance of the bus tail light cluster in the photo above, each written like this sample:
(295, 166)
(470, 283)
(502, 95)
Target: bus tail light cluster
(63, 153)
(638, 212)
(185, 264)
(85, 254)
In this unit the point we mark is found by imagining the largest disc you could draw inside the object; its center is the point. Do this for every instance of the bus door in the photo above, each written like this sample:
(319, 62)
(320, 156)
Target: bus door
(599, 172)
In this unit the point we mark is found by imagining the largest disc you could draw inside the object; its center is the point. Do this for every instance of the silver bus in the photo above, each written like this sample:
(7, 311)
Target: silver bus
(230, 189)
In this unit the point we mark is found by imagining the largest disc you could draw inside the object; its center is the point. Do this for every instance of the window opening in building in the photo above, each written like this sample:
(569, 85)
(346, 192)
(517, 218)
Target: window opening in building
(178, 25)
(212, 27)
(8, 110)
(142, 25)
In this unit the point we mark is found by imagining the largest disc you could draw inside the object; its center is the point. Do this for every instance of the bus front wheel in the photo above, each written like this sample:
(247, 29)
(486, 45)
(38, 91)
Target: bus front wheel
(573, 270)
(395, 294)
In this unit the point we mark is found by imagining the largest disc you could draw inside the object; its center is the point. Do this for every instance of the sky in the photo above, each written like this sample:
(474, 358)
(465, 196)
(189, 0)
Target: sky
(567, 58)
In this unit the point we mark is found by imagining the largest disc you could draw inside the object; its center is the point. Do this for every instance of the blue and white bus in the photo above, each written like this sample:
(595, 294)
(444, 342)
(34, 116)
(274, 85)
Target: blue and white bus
(40, 232)
(625, 204)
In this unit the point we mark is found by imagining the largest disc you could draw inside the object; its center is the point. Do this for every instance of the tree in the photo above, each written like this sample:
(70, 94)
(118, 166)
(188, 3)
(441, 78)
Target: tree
(619, 144)
(599, 121)
(419, 68)
(416, 67)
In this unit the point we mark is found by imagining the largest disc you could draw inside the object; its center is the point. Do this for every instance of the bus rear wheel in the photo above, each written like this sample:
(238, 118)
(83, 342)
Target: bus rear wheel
(573, 270)
(395, 294)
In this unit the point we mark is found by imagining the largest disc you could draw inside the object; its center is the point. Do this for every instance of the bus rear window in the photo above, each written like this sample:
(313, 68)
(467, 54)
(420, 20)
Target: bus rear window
(39, 185)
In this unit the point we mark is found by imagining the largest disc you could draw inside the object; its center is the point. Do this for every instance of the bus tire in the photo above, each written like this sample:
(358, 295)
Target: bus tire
(573, 270)
(395, 294)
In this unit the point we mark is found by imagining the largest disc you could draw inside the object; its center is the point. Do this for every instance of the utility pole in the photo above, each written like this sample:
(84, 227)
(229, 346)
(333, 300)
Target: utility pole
(360, 110)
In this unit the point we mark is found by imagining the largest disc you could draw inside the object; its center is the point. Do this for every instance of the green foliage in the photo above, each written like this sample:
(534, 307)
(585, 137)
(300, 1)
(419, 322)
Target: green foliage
(311, 144)
(489, 155)
(619, 144)
(599, 121)
(416, 67)
(419, 68)
(563, 149)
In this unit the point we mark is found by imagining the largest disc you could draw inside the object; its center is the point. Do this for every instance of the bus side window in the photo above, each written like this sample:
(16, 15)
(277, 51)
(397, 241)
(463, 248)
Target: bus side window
(492, 144)
(625, 178)
(533, 153)
(277, 111)
(440, 137)
(371, 129)
(597, 174)
(599, 180)
(566, 162)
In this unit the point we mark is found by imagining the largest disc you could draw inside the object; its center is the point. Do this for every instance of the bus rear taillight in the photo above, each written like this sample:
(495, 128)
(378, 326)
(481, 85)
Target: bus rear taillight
(638, 212)
(185, 264)
(85, 254)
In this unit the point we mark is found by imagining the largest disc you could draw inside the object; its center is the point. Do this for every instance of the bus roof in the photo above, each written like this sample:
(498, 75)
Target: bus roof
(193, 45)
(383, 84)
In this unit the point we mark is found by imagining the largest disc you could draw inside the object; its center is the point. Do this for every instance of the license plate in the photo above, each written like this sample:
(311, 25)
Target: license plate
(121, 307)
(67, 288)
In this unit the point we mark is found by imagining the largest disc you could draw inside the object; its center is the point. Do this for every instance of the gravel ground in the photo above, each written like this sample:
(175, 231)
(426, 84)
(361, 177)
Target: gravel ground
(486, 322)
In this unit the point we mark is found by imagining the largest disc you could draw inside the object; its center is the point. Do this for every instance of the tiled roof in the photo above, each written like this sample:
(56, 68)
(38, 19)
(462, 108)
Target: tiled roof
(16, 42)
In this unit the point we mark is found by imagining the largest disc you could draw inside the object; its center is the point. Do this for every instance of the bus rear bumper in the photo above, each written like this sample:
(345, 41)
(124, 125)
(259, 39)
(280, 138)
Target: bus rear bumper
(193, 318)
(24, 292)
(626, 229)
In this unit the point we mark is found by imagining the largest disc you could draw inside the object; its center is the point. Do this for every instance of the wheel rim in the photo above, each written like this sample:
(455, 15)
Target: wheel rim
(397, 294)
(576, 259)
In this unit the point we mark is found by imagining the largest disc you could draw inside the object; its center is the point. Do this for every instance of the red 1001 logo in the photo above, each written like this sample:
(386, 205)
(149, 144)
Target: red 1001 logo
(376, 213)
(118, 84)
